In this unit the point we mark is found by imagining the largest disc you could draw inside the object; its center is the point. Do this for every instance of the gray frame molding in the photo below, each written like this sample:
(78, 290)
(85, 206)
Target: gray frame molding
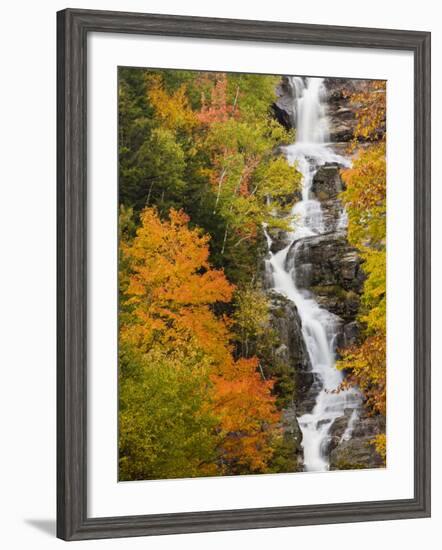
(72, 28)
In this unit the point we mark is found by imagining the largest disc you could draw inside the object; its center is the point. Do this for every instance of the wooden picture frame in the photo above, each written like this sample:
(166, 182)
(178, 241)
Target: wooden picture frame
(73, 26)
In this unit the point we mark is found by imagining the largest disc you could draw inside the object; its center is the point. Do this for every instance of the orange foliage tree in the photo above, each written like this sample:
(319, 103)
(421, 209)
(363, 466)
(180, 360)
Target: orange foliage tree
(248, 417)
(171, 286)
(169, 290)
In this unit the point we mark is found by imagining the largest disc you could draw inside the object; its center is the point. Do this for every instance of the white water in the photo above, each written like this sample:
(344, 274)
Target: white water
(319, 327)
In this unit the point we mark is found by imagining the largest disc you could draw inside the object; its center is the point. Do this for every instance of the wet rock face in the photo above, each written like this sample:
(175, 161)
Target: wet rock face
(331, 213)
(342, 116)
(330, 268)
(290, 352)
(285, 320)
(350, 334)
(283, 107)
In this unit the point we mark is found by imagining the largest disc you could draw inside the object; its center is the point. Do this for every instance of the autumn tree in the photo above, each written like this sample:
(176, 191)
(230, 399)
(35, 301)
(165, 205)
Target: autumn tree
(171, 286)
(166, 427)
(248, 417)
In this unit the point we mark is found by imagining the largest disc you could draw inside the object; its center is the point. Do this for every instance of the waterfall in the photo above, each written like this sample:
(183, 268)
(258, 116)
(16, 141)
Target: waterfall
(319, 326)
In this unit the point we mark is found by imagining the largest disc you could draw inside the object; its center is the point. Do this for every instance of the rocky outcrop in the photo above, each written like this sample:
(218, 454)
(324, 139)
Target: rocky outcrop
(291, 349)
(330, 268)
(291, 370)
(290, 455)
(341, 114)
(357, 451)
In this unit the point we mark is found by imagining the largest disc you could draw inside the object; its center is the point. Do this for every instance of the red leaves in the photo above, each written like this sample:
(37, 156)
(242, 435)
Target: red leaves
(217, 109)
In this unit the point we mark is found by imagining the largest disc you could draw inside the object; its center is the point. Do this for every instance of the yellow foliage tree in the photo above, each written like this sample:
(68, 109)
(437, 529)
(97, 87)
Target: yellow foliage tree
(173, 110)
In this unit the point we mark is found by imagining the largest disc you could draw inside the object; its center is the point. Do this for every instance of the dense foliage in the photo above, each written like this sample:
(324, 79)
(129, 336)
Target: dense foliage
(197, 157)
(365, 200)
(201, 389)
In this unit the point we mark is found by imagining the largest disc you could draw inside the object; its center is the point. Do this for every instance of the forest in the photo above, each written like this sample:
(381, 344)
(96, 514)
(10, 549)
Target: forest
(202, 390)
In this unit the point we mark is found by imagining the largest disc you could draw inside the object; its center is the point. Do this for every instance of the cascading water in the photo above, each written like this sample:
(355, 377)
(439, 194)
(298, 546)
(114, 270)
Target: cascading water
(319, 327)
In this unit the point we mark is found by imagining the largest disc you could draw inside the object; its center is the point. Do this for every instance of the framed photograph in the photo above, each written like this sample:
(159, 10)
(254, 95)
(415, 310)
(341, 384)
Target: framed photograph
(243, 274)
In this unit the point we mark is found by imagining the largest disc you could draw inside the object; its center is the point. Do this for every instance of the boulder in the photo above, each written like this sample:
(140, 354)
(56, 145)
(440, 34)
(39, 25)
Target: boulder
(327, 182)
(280, 239)
(358, 451)
(326, 186)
